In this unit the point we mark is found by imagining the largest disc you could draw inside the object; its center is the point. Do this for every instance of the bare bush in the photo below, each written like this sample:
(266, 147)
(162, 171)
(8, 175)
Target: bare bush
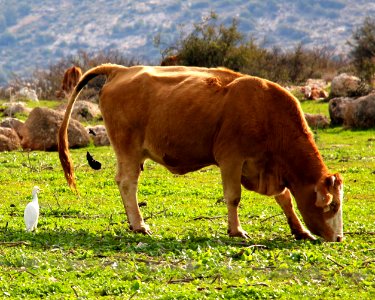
(47, 82)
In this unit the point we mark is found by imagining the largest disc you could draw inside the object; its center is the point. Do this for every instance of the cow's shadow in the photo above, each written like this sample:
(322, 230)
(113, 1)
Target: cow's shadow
(99, 243)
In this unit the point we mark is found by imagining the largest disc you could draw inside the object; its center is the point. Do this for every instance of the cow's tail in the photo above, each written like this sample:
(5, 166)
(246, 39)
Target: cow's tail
(62, 139)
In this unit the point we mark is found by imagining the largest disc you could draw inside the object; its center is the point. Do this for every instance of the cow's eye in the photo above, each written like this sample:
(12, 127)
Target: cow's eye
(334, 206)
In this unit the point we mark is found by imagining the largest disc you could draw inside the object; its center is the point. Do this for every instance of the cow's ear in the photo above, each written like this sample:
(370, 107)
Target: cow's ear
(330, 181)
(323, 197)
(338, 179)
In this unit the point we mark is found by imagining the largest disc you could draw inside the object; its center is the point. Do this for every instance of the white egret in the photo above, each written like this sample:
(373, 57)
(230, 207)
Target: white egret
(31, 214)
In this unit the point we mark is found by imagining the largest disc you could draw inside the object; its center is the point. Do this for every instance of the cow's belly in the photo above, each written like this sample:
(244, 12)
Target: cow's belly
(181, 140)
(179, 162)
(262, 179)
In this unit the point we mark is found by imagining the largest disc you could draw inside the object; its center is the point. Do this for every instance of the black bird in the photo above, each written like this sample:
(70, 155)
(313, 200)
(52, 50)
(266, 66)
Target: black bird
(143, 203)
(92, 162)
(92, 132)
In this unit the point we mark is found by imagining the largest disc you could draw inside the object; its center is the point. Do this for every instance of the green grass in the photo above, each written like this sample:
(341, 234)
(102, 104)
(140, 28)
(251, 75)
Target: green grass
(315, 107)
(84, 249)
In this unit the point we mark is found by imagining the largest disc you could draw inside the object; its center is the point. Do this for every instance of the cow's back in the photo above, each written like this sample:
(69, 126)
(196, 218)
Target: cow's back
(172, 113)
(185, 118)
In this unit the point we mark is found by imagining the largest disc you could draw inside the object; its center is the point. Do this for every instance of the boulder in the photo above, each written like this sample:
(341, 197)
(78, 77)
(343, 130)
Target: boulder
(40, 131)
(314, 89)
(99, 135)
(27, 93)
(313, 92)
(345, 85)
(306, 91)
(317, 120)
(317, 93)
(360, 113)
(319, 83)
(13, 108)
(9, 139)
(13, 123)
(337, 109)
(85, 111)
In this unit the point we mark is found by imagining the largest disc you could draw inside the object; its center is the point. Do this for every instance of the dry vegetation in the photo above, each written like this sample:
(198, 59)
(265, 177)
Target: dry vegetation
(48, 82)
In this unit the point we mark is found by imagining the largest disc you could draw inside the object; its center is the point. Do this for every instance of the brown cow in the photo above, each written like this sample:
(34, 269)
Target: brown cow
(71, 78)
(186, 118)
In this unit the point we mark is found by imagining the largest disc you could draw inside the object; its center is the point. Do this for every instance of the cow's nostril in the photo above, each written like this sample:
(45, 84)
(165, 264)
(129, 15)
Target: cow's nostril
(339, 239)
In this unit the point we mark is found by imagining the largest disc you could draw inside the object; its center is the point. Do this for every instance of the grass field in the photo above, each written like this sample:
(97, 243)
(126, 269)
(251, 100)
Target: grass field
(84, 249)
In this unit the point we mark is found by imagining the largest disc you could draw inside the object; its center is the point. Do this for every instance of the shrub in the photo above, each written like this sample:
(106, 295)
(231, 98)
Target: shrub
(363, 49)
(212, 45)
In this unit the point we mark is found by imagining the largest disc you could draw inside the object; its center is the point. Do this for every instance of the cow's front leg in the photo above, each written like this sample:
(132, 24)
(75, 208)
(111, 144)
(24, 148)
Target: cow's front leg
(231, 177)
(285, 201)
(127, 181)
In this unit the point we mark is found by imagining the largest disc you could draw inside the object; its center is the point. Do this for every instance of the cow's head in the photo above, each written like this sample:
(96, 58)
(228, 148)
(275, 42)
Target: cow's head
(324, 218)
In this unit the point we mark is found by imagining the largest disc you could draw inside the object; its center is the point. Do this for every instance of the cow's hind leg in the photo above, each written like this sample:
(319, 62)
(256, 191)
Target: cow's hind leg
(285, 201)
(127, 181)
(231, 177)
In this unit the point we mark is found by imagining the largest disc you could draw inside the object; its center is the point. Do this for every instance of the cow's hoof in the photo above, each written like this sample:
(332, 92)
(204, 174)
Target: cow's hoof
(304, 235)
(239, 233)
(144, 230)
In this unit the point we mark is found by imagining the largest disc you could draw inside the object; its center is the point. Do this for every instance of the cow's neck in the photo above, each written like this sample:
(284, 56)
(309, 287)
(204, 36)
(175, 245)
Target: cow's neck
(304, 166)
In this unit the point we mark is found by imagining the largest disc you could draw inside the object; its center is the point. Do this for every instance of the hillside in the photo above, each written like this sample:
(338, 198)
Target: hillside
(35, 34)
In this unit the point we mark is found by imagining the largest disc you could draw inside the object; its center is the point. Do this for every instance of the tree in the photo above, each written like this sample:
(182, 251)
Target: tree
(363, 49)
(218, 45)
(211, 45)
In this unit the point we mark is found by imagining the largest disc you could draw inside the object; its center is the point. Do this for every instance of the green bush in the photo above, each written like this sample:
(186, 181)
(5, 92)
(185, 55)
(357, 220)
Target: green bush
(363, 49)
(211, 44)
